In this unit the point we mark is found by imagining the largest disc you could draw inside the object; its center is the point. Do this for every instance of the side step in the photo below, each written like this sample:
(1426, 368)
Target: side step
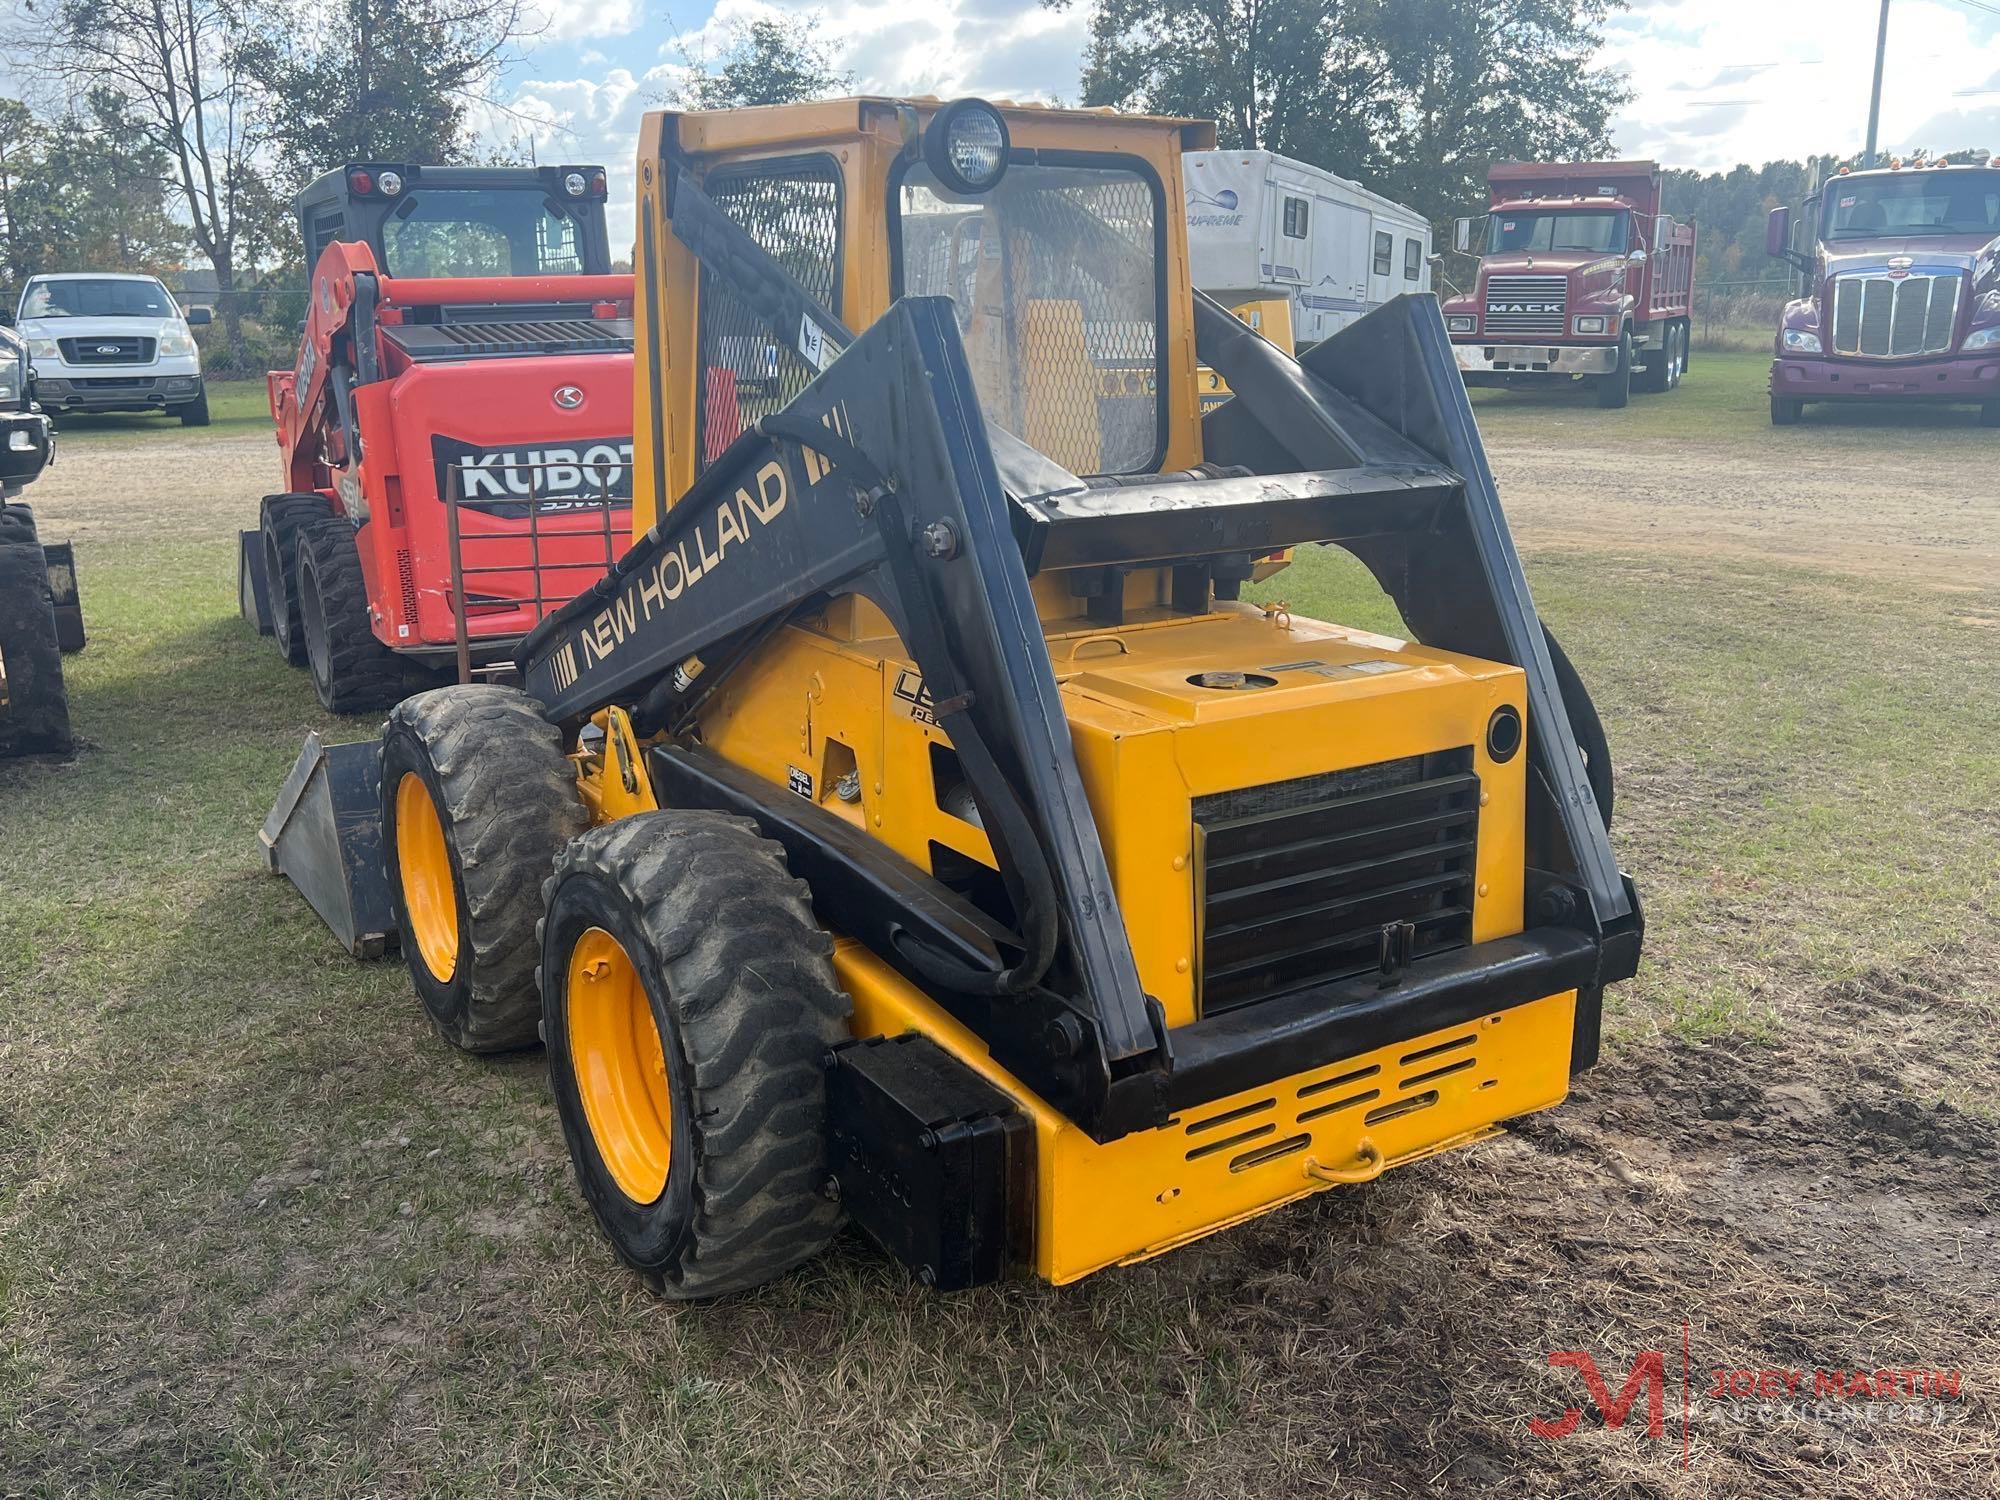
(325, 836)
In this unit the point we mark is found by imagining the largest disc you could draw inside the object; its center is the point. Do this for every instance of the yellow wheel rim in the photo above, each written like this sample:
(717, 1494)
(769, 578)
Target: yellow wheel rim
(620, 1066)
(424, 865)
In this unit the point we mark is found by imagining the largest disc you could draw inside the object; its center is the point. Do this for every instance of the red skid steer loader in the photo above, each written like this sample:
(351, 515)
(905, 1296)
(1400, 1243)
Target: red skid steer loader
(455, 435)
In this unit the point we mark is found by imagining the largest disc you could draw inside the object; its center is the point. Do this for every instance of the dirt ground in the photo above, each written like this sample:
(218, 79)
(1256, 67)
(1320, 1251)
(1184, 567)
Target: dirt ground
(260, 1232)
(1937, 525)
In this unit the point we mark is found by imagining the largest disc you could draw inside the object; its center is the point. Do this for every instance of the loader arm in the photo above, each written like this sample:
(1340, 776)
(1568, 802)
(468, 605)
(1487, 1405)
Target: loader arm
(883, 478)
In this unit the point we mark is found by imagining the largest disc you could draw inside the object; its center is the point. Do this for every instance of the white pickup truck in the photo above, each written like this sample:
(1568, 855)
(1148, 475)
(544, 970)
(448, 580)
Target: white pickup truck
(101, 341)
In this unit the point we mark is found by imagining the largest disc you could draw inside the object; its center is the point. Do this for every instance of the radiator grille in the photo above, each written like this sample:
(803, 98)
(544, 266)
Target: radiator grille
(1880, 317)
(1527, 304)
(1300, 877)
(426, 342)
(119, 349)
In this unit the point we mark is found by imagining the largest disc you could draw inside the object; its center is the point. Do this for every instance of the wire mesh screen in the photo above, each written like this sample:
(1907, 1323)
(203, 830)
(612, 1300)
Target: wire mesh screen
(1056, 277)
(792, 209)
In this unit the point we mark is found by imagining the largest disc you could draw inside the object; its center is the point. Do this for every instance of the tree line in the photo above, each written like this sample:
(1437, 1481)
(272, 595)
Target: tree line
(177, 129)
(181, 128)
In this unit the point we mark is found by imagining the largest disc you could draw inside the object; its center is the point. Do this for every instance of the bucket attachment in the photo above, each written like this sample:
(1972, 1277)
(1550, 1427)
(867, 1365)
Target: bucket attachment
(253, 590)
(60, 559)
(325, 836)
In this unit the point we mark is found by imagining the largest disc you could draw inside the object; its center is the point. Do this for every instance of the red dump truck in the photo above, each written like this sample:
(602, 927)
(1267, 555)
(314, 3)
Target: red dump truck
(1582, 276)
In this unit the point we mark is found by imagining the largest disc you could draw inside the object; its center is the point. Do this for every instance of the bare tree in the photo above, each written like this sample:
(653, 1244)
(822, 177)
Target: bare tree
(177, 64)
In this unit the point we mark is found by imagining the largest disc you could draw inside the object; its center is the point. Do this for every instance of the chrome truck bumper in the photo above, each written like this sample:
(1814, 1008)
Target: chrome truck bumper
(1535, 359)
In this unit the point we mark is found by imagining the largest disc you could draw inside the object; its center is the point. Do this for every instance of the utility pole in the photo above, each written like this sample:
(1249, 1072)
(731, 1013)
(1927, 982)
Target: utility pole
(1875, 99)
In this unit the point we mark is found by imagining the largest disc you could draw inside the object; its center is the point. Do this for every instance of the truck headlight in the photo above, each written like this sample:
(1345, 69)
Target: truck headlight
(44, 349)
(1593, 323)
(1460, 323)
(1800, 342)
(1983, 338)
(176, 345)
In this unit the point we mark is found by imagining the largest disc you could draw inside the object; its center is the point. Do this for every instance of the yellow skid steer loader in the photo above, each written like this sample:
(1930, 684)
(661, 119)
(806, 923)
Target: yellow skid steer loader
(917, 827)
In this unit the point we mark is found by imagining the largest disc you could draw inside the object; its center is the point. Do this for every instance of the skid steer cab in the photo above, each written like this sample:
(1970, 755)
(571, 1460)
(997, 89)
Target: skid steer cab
(455, 434)
(917, 825)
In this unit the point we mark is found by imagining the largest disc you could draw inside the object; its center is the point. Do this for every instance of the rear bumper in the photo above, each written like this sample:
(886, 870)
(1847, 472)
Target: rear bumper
(1536, 359)
(116, 392)
(1964, 378)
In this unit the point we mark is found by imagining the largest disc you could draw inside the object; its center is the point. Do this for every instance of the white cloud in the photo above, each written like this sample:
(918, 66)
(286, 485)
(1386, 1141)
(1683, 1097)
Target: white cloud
(997, 48)
(573, 20)
(1717, 82)
(1721, 82)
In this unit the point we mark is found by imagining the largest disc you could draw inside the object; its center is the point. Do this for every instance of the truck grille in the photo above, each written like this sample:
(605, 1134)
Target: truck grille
(1526, 304)
(118, 350)
(1878, 317)
(1299, 878)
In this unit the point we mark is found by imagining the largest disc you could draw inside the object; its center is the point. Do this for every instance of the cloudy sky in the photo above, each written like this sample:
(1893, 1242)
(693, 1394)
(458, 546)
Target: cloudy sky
(1717, 81)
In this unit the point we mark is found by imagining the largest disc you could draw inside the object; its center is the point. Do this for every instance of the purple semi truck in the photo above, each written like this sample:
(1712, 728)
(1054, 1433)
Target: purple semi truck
(1901, 291)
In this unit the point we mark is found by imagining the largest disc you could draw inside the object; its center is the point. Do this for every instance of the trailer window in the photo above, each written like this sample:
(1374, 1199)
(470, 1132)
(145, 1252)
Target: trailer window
(1057, 276)
(1385, 253)
(1295, 218)
(1413, 260)
(791, 207)
(481, 232)
(1602, 232)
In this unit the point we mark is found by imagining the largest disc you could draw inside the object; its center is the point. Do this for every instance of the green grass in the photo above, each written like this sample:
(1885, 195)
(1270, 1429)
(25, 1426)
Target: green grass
(233, 406)
(261, 1232)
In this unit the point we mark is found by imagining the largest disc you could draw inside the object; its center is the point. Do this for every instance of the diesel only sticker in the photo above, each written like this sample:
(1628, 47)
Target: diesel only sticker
(555, 478)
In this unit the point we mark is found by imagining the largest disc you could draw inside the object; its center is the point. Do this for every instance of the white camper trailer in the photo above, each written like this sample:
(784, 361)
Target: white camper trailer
(1264, 226)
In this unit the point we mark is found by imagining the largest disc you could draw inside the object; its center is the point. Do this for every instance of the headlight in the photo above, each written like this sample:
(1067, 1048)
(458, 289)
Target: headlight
(44, 349)
(175, 345)
(1460, 323)
(573, 184)
(1983, 338)
(1800, 342)
(391, 183)
(1593, 324)
(6, 391)
(966, 145)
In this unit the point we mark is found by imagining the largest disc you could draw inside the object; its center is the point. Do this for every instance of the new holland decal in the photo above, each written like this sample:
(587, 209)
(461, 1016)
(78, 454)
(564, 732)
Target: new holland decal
(691, 561)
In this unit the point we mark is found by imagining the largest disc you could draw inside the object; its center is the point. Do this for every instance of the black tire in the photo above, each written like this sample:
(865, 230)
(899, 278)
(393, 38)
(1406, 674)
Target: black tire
(506, 797)
(740, 981)
(351, 670)
(195, 413)
(1655, 377)
(1615, 390)
(17, 526)
(35, 718)
(279, 521)
(1585, 725)
(1785, 412)
(1989, 414)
